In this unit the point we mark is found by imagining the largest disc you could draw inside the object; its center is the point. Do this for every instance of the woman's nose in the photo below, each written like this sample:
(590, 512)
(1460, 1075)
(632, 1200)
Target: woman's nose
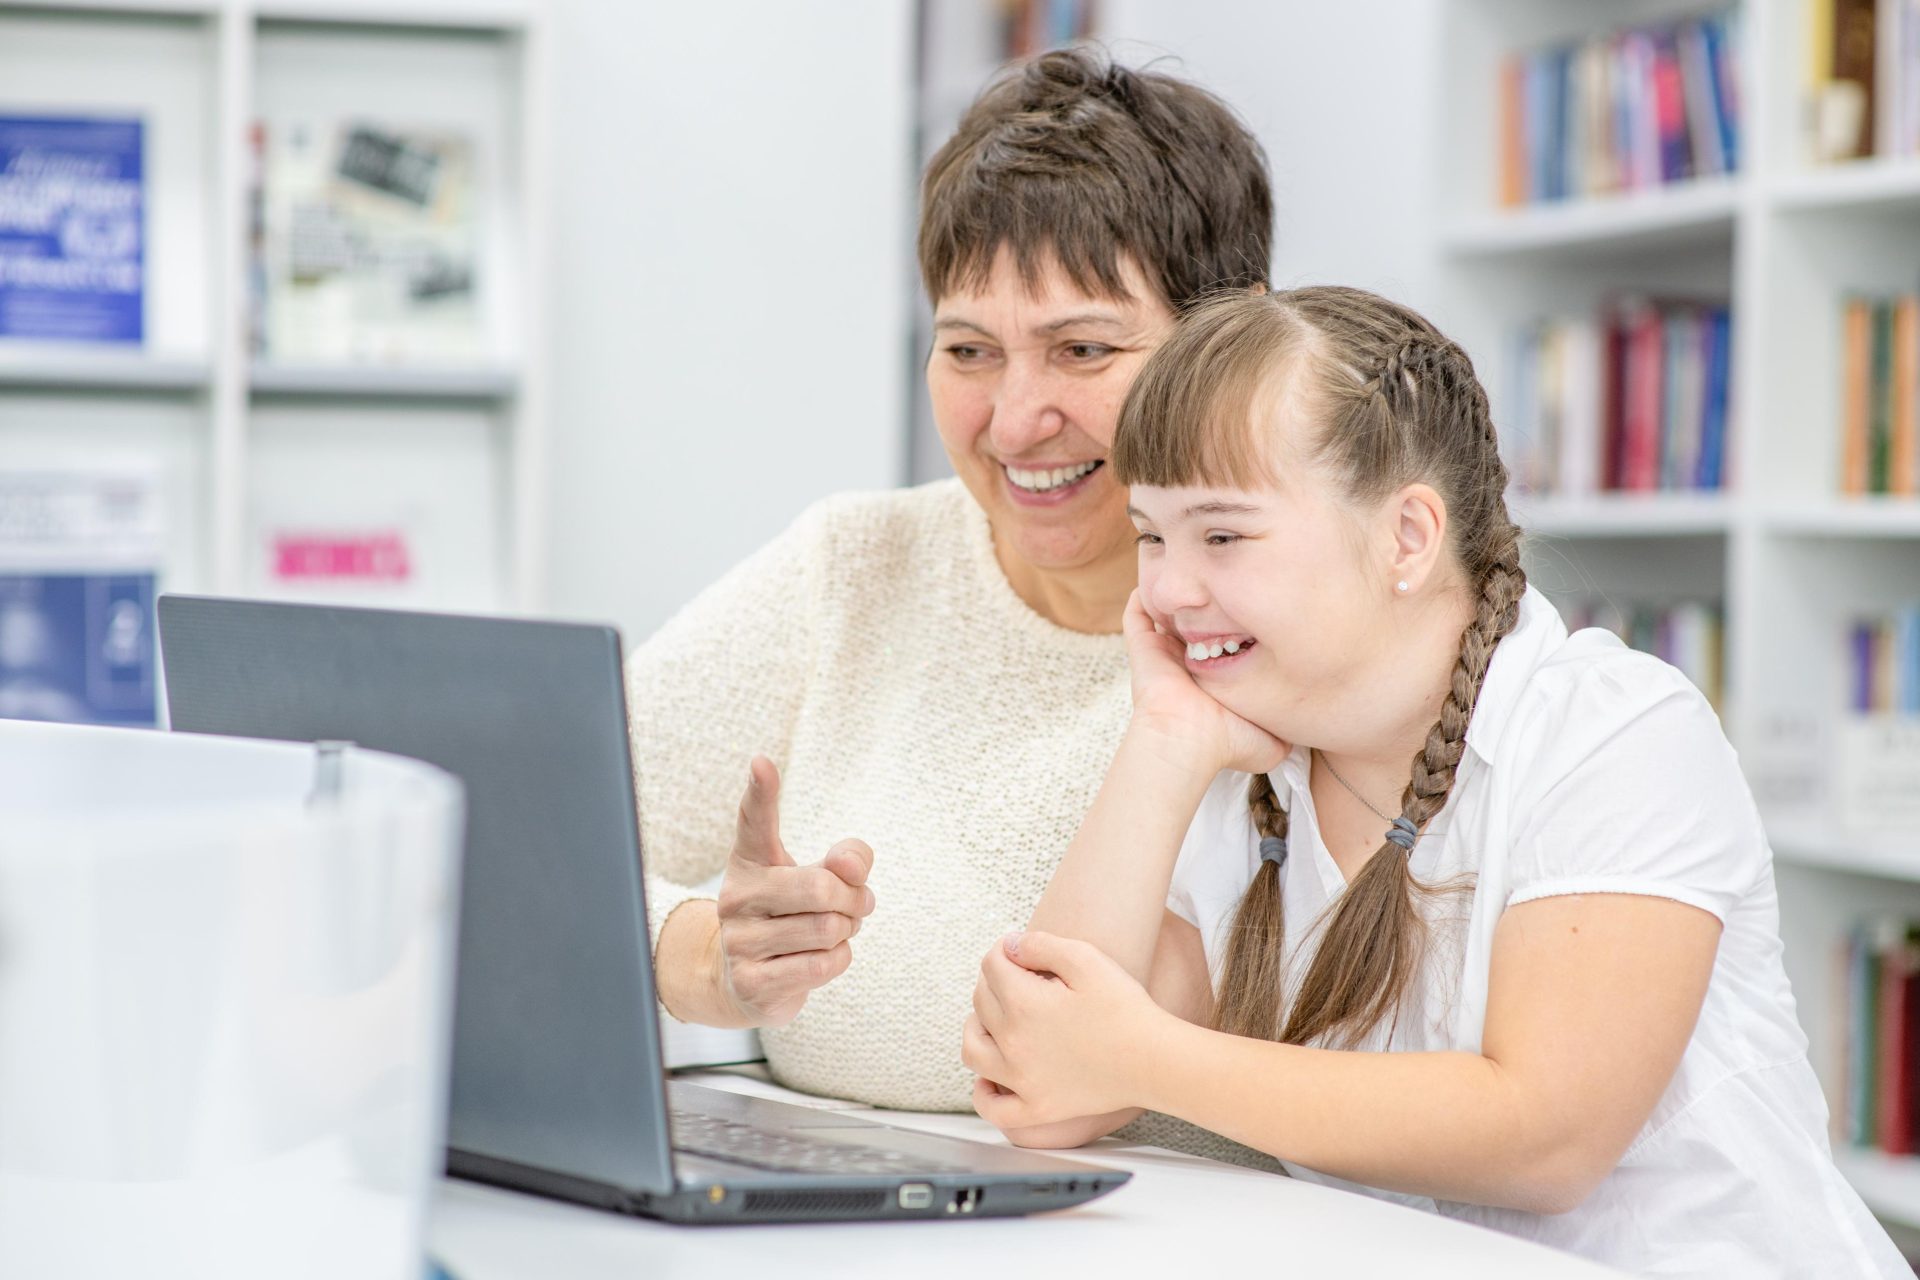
(1027, 412)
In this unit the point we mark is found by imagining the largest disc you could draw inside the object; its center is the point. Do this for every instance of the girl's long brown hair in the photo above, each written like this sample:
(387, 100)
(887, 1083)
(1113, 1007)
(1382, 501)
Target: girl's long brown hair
(1394, 402)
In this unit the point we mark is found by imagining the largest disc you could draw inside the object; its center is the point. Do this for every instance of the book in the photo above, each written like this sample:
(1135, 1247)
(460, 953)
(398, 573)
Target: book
(1649, 105)
(1903, 445)
(1863, 1038)
(1847, 128)
(1880, 395)
(72, 229)
(1856, 388)
(1645, 400)
(1883, 663)
(80, 551)
(1713, 430)
(370, 246)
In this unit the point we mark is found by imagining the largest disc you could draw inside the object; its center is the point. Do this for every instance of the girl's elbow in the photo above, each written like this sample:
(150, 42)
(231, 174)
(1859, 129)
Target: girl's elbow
(1563, 1180)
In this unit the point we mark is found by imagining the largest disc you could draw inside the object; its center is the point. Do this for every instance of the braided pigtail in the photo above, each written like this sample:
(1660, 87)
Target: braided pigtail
(1256, 944)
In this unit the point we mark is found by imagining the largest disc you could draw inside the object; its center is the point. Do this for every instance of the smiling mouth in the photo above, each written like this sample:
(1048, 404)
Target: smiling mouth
(1048, 480)
(1207, 655)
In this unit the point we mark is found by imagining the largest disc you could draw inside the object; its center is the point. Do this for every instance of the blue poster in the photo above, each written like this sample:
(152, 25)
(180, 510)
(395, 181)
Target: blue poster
(78, 648)
(72, 229)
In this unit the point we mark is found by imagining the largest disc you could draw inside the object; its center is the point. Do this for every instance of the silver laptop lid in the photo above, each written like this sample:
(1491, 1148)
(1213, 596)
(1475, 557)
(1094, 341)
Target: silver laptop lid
(556, 1054)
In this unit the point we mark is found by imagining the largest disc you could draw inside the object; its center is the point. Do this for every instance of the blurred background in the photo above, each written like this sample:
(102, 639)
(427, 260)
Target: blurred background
(562, 308)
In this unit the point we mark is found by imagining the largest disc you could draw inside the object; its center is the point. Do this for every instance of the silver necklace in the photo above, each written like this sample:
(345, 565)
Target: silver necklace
(1349, 786)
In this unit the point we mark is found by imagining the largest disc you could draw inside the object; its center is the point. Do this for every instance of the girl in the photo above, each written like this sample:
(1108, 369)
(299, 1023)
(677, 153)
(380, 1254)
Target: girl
(1533, 980)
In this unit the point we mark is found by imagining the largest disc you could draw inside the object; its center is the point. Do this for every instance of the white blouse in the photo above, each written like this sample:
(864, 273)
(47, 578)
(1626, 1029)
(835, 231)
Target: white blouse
(1591, 768)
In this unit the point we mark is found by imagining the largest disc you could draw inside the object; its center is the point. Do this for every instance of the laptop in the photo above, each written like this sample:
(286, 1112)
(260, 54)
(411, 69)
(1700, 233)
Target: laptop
(557, 1083)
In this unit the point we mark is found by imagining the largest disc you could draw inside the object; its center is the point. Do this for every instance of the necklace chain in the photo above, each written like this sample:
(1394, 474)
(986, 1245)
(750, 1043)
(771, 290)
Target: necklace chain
(1350, 788)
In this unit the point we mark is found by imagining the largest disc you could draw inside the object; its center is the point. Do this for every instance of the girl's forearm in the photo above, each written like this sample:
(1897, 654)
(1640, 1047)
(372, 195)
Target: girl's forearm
(1111, 888)
(1451, 1125)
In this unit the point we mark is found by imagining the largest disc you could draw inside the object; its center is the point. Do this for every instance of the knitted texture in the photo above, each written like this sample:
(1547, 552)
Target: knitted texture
(877, 654)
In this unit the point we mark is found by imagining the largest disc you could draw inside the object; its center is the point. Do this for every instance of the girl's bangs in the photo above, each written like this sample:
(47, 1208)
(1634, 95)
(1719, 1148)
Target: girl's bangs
(1196, 414)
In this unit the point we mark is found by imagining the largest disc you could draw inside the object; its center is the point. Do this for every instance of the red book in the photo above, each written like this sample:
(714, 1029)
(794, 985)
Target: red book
(1645, 400)
(1613, 376)
(1670, 111)
(1895, 1111)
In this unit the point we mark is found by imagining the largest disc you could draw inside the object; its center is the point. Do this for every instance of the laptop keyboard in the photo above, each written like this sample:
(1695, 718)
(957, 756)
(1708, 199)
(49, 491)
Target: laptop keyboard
(707, 1135)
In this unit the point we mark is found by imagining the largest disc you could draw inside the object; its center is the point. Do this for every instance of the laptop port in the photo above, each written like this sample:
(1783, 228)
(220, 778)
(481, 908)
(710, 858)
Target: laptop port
(916, 1195)
(966, 1198)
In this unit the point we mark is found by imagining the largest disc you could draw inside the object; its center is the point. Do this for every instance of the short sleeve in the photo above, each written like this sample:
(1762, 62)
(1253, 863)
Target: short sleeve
(1216, 862)
(1633, 788)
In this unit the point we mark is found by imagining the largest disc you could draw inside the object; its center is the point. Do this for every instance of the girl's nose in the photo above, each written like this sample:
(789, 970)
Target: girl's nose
(1171, 586)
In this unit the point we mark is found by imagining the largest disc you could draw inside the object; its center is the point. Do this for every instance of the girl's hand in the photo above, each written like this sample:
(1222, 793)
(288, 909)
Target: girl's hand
(1056, 1032)
(1168, 703)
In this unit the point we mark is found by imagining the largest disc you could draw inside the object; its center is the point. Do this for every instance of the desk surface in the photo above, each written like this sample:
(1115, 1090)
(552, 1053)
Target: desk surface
(1178, 1210)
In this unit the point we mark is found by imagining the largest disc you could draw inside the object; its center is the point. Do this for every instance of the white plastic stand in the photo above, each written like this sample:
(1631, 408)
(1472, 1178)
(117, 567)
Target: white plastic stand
(225, 1005)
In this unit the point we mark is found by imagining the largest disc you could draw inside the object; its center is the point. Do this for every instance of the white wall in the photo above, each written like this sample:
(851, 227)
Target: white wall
(1344, 97)
(732, 197)
(734, 200)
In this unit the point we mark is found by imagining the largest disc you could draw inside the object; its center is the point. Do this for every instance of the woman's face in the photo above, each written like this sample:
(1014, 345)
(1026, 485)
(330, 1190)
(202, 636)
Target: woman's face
(1026, 386)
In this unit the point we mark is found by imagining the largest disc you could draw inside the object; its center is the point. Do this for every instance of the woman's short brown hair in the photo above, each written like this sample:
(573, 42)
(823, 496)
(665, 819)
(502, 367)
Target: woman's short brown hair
(1072, 158)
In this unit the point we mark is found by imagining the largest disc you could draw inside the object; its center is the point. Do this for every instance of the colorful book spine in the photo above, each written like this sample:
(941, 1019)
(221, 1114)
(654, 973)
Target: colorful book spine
(1636, 400)
(1627, 110)
(1880, 396)
(1862, 79)
(1895, 1104)
(1883, 663)
(1879, 1036)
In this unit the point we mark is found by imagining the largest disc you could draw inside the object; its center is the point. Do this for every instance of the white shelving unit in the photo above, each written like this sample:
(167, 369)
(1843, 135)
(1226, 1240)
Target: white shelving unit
(233, 438)
(1792, 561)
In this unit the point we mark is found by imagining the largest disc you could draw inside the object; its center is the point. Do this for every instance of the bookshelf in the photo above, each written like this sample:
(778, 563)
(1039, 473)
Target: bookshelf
(1790, 560)
(453, 451)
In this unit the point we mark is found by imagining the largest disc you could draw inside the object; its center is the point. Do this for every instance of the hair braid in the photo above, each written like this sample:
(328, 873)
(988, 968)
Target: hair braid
(1256, 944)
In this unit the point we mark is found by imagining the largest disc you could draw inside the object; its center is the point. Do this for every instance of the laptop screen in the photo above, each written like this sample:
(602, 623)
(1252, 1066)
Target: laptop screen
(556, 1055)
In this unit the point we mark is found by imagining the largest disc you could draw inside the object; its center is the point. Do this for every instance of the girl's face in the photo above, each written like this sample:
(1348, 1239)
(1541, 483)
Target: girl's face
(1289, 576)
(1026, 385)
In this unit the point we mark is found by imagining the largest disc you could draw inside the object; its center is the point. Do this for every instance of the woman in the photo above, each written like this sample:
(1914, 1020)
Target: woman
(939, 671)
(1392, 878)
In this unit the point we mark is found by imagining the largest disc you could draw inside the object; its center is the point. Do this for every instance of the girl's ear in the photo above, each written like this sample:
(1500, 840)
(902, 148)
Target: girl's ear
(1419, 538)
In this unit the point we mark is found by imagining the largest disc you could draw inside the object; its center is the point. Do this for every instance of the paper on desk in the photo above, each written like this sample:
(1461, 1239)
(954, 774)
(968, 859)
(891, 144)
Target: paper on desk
(686, 1044)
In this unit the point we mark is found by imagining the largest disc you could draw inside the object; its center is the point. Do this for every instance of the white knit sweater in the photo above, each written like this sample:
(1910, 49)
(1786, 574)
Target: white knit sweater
(877, 654)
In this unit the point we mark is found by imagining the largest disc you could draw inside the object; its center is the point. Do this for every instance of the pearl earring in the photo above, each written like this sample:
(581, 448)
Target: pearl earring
(1402, 584)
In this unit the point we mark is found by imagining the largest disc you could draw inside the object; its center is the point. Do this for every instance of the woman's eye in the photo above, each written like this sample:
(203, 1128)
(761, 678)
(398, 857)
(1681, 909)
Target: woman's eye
(1088, 351)
(966, 353)
(1221, 539)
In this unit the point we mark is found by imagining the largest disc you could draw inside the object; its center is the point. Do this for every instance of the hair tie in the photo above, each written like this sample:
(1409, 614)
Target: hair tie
(1403, 832)
(1274, 849)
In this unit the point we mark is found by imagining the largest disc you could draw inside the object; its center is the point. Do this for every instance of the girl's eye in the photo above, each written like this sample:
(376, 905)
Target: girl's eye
(1146, 540)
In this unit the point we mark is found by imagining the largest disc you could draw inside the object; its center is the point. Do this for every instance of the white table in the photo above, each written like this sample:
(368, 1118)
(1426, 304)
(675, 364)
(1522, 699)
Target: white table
(1178, 1212)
